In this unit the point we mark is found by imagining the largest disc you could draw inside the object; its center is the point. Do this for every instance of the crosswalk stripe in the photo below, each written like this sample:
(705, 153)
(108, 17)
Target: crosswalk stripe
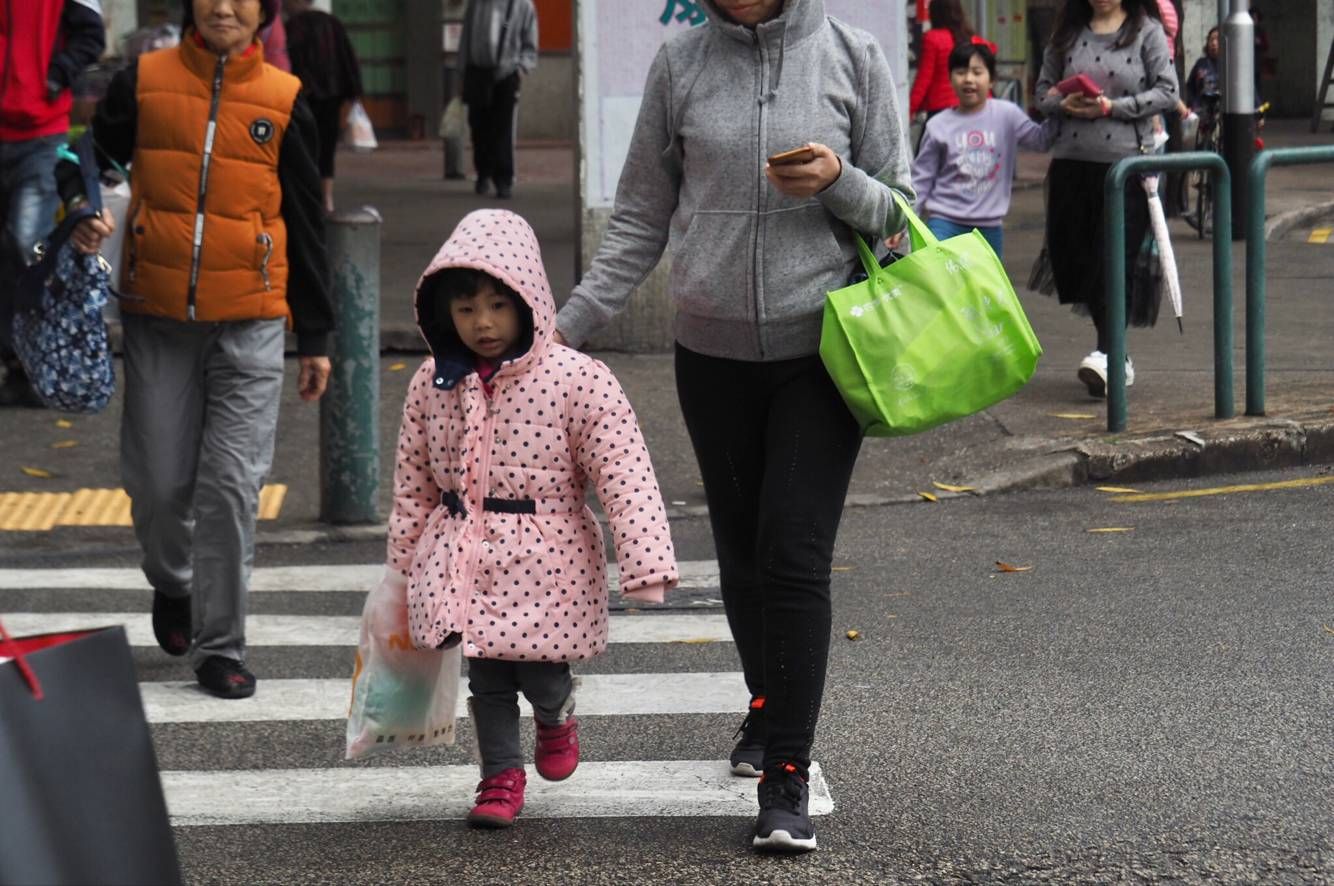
(598, 695)
(612, 789)
(343, 630)
(695, 574)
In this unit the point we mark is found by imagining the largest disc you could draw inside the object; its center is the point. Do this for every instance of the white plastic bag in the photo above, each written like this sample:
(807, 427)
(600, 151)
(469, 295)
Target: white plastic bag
(359, 134)
(402, 697)
(454, 121)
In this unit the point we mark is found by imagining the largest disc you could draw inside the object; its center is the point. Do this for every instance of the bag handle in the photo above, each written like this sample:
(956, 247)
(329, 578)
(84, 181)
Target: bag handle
(919, 235)
(13, 651)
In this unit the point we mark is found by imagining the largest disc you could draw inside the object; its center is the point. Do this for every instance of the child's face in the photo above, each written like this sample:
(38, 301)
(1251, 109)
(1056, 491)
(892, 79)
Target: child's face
(971, 84)
(486, 321)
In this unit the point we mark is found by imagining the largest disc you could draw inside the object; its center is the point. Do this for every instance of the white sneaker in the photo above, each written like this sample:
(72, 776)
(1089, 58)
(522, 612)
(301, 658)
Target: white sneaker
(1093, 373)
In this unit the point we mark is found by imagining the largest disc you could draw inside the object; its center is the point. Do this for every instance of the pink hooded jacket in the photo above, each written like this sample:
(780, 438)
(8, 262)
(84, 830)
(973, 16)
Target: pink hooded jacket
(518, 586)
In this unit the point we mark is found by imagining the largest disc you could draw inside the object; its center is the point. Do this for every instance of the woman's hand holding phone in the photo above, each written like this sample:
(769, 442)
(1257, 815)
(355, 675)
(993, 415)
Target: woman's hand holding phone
(804, 171)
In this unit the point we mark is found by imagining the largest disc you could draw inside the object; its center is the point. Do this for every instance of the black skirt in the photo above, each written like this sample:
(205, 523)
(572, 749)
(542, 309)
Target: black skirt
(1075, 240)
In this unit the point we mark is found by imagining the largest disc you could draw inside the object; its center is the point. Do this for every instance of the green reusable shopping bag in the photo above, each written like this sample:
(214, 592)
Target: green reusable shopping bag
(935, 336)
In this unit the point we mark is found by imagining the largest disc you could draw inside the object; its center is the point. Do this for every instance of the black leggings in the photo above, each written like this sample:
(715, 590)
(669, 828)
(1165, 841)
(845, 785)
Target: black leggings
(776, 447)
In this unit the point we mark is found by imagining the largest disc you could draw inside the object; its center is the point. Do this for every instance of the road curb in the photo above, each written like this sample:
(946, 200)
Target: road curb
(1242, 445)
(1281, 224)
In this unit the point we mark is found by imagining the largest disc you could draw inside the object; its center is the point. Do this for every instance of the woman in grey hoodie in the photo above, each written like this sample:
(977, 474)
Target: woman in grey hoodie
(755, 248)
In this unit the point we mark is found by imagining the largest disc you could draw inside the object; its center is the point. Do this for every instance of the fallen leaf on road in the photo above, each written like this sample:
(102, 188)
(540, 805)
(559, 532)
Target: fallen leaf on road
(1002, 566)
(841, 568)
(397, 367)
(854, 635)
(696, 641)
(64, 444)
(948, 488)
(1112, 529)
(39, 473)
(928, 496)
(1076, 416)
(1328, 629)
(1124, 490)
(64, 423)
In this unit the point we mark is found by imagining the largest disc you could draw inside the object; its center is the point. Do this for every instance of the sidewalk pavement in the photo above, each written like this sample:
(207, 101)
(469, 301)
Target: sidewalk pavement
(1049, 434)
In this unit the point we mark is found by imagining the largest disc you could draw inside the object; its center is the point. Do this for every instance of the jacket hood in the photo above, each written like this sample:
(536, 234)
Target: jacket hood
(799, 19)
(502, 244)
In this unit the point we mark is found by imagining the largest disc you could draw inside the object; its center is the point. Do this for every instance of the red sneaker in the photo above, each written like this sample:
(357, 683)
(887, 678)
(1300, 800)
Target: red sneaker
(557, 750)
(499, 800)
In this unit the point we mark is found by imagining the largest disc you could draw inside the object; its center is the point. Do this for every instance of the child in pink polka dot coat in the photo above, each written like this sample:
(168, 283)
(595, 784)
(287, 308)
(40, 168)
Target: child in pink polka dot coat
(502, 431)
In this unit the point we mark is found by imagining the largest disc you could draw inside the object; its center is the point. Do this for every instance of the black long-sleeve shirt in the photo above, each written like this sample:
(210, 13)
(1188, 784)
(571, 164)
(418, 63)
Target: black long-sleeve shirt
(115, 126)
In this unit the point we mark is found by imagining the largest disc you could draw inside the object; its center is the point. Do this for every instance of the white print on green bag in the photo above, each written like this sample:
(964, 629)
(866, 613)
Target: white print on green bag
(858, 310)
(903, 378)
(980, 320)
(956, 265)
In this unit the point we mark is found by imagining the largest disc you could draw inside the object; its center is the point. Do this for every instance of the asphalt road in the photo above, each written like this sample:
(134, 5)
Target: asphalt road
(1140, 705)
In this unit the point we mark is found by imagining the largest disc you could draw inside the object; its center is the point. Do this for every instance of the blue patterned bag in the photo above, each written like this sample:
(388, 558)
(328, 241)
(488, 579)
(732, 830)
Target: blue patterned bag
(57, 328)
(60, 336)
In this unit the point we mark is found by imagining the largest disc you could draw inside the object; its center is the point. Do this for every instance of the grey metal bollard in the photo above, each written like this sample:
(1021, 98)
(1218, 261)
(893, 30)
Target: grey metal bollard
(349, 412)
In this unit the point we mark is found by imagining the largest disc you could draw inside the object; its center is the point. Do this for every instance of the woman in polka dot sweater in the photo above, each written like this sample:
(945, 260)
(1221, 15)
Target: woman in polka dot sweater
(490, 535)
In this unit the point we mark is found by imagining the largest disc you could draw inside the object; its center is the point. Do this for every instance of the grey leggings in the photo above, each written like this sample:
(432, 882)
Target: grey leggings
(495, 687)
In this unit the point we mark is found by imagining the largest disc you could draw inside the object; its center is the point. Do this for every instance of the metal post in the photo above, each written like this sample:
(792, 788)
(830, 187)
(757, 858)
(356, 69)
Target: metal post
(1114, 256)
(1256, 253)
(1255, 286)
(349, 412)
(1114, 264)
(1239, 105)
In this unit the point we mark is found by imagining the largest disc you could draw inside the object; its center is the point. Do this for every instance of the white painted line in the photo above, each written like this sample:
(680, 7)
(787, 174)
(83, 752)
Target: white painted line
(343, 630)
(695, 574)
(598, 695)
(639, 788)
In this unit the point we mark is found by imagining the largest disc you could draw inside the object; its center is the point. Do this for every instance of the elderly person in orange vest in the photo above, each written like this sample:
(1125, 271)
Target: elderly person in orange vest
(224, 251)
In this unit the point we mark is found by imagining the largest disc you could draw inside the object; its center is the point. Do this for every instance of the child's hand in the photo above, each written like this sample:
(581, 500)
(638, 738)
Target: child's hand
(650, 594)
(894, 241)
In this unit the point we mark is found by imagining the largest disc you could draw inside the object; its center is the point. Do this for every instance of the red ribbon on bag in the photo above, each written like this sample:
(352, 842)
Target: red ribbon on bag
(16, 652)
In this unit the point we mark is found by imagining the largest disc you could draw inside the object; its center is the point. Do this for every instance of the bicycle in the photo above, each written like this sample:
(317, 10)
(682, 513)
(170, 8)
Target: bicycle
(1199, 181)
(1196, 183)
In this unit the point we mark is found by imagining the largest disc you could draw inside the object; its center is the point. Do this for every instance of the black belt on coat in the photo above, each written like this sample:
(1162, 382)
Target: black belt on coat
(450, 499)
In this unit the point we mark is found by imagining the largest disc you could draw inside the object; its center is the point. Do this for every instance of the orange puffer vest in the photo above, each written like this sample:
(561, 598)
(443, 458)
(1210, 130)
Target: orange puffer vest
(206, 238)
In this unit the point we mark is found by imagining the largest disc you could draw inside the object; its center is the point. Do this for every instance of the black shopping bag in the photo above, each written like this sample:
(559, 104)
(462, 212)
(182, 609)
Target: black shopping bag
(79, 787)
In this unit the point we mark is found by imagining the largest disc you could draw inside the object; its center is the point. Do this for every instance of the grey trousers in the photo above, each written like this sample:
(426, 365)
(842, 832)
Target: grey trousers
(196, 442)
(495, 687)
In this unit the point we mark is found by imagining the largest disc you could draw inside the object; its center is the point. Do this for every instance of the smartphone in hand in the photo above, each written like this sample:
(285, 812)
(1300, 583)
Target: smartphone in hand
(1079, 83)
(803, 154)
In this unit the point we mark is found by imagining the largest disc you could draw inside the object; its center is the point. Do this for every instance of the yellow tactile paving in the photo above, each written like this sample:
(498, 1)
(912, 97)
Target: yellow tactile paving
(97, 507)
(271, 501)
(42, 511)
(31, 511)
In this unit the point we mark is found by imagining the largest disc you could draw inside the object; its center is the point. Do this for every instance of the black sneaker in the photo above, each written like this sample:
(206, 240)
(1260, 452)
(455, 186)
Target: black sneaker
(171, 623)
(226, 677)
(482, 187)
(748, 756)
(504, 192)
(784, 823)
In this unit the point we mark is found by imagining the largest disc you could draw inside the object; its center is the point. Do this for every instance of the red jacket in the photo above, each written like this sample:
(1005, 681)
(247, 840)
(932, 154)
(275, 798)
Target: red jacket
(931, 91)
(44, 46)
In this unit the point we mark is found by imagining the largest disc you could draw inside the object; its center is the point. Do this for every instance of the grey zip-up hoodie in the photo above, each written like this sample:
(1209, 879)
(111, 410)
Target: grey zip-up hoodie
(750, 266)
